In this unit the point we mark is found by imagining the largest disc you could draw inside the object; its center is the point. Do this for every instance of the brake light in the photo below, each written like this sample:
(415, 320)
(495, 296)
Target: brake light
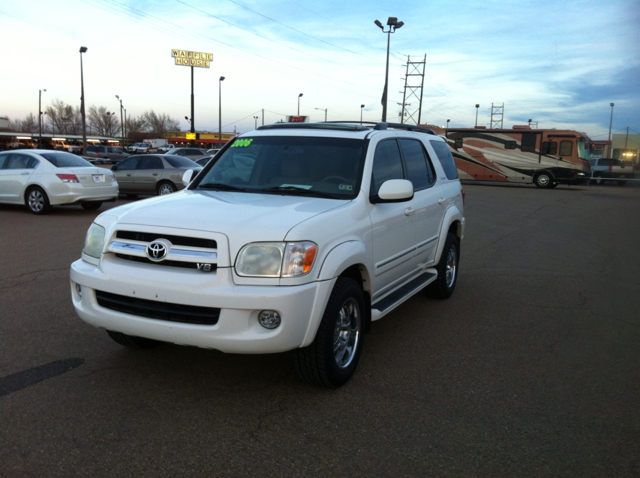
(68, 178)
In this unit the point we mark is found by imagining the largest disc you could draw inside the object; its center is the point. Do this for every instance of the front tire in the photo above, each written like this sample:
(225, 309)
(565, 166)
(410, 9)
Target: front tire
(447, 268)
(166, 188)
(331, 359)
(597, 179)
(38, 201)
(132, 341)
(543, 180)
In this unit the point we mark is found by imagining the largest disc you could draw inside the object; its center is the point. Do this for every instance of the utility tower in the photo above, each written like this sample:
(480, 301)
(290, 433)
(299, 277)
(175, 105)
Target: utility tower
(498, 113)
(413, 86)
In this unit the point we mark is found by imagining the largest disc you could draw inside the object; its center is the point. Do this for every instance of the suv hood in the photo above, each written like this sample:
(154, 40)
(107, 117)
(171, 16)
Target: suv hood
(243, 216)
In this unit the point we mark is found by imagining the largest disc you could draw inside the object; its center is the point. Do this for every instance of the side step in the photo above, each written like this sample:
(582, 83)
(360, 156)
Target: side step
(393, 300)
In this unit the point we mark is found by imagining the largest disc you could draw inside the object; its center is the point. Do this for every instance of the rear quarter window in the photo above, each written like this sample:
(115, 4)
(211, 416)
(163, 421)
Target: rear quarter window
(446, 159)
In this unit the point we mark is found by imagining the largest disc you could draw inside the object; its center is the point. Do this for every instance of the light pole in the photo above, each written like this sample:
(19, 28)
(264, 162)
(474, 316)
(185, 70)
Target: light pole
(446, 132)
(83, 49)
(610, 123)
(477, 106)
(361, 109)
(325, 113)
(40, 118)
(256, 121)
(530, 123)
(393, 24)
(220, 111)
(121, 122)
(299, 96)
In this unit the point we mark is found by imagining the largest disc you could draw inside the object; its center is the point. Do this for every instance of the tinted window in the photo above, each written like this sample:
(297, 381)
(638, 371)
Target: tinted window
(18, 161)
(566, 148)
(65, 160)
(128, 164)
(387, 164)
(152, 162)
(415, 159)
(195, 152)
(180, 162)
(446, 159)
(3, 159)
(528, 142)
(549, 147)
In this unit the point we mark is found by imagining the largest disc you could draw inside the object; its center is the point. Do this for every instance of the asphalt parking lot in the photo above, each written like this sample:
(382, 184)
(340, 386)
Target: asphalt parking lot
(532, 368)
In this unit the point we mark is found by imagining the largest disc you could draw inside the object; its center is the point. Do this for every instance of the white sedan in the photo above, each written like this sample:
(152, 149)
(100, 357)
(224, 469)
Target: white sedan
(43, 178)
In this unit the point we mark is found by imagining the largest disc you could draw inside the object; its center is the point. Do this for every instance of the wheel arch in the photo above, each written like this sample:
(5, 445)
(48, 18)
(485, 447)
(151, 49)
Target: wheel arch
(453, 222)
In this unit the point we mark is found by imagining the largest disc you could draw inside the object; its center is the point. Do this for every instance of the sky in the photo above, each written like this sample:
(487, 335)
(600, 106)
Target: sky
(559, 63)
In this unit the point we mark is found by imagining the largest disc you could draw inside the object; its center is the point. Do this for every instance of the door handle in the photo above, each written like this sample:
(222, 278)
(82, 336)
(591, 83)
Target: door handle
(441, 201)
(154, 174)
(409, 211)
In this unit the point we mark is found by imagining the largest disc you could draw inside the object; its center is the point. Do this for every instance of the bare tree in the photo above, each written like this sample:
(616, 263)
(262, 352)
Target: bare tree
(160, 124)
(136, 124)
(64, 118)
(27, 125)
(102, 121)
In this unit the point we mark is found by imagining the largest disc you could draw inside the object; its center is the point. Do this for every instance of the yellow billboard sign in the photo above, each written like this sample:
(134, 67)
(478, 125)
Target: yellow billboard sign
(190, 136)
(192, 58)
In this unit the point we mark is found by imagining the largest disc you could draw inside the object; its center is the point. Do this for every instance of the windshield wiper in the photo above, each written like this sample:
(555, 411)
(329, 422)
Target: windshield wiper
(220, 186)
(301, 191)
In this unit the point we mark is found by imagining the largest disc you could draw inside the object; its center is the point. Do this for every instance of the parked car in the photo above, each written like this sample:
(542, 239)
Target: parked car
(213, 151)
(152, 174)
(203, 160)
(132, 148)
(105, 154)
(191, 153)
(296, 239)
(610, 169)
(166, 148)
(41, 178)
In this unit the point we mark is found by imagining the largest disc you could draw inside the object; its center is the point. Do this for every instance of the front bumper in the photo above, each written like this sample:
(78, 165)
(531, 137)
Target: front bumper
(237, 329)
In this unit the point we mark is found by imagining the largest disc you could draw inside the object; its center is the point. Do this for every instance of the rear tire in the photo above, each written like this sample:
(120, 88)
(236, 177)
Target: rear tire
(91, 205)
(447, 268)
(331, 359)
(132, 341)
(165, 188)
(37, 201)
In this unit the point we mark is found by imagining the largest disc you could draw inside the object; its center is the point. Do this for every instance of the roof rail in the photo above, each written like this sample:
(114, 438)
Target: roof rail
(337, 125)
(384, 125)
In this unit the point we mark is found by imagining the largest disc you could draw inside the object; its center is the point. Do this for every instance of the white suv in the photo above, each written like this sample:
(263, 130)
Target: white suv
(296, 238)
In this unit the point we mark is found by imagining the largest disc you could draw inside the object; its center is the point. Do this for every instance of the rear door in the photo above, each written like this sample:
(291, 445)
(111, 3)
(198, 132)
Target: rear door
(14, 176)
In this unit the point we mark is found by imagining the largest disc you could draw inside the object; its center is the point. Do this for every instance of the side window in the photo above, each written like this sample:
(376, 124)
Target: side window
(549, 147)
(415, 159)
(150, 163)
(528, 142)
(128, 164)
(387, 164)
(446, 159)
(510, 145)
(18, 161)
(3, 159)
(566, 148)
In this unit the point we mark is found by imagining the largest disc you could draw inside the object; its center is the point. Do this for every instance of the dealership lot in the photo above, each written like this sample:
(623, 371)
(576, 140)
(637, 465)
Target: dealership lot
(532, 368)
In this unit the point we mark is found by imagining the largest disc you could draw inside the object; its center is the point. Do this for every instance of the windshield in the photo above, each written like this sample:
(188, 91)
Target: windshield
(66, 160)
(289, 165)
(583, 150)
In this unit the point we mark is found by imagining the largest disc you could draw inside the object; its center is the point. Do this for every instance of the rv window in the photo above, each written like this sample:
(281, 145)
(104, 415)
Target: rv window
(510, 145)
(549, 147)
(566, 148)
(528, 142)
(459, 142)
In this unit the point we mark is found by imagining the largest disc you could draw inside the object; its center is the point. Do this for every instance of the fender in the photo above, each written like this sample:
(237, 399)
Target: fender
(342, 257)
(452, 215)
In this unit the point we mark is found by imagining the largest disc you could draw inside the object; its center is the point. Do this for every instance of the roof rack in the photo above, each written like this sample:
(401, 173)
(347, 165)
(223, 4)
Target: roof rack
(338, 125)
(383, 125)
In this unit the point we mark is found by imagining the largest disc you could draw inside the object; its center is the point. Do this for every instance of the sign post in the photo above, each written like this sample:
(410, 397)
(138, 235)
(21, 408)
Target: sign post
(192, 59)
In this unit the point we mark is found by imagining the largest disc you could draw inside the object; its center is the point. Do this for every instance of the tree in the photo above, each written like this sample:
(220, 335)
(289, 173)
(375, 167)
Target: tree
(27, 125)
(103, 122)
(64, 118)
(136, 124)
(160, 124)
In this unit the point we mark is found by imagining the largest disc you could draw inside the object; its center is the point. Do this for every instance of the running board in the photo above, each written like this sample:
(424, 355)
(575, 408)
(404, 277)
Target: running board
(393, 300)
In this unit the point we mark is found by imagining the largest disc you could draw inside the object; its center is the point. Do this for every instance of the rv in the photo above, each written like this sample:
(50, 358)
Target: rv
(544, 157)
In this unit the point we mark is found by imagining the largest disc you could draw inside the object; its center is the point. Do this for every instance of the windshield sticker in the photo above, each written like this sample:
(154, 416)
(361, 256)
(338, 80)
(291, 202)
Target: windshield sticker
(241, 143)
(345, 187)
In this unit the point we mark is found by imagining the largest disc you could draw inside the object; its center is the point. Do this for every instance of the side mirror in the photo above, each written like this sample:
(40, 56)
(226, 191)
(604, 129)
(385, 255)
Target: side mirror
(186, 177)
(394, 190)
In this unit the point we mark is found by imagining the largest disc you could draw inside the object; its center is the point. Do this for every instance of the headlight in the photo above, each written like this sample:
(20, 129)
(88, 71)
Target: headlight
(94, 241)
(276, 259)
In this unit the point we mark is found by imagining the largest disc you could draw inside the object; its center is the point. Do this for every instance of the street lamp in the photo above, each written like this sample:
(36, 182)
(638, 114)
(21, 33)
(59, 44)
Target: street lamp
(83, 49)
(393, 24)
(610, 123)
(477, 106)
(40, 118)
(220, 111)
(446, 133)
(325, 113)
(121, 121)
(530, 123)
(256, 121)
(299, 96)
(361, 109)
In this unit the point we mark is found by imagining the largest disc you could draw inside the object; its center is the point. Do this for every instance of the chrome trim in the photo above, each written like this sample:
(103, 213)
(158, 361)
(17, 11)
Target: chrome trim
(176, 253)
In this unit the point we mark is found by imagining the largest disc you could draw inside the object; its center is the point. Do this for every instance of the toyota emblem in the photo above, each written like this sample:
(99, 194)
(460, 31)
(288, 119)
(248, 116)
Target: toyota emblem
(158, 250)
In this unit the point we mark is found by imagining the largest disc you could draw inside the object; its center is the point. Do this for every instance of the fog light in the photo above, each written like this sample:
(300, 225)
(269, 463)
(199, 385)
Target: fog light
(79, 290)
(269, 319)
